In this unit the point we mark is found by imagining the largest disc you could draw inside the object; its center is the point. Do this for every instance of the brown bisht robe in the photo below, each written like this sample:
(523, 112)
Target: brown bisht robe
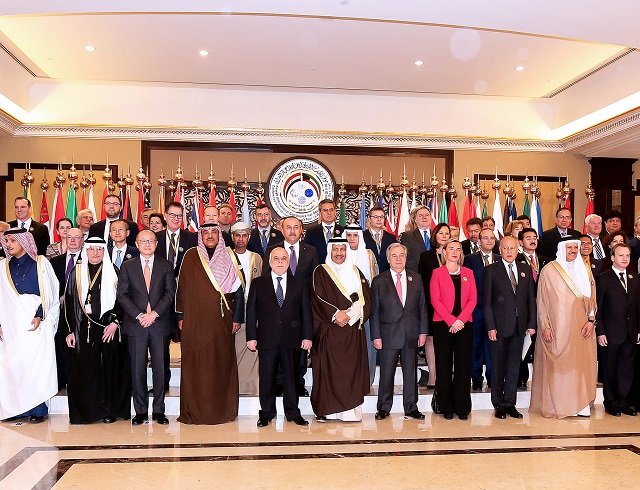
(564, 370)
(339, 354)
(209, 373)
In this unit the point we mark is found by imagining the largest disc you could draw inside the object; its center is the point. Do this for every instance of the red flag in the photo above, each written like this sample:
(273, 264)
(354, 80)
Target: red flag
(589, 210)
(83, 201)
(453, 214)
(126, 209)
(467, 212)
(212, 195)
(105, 193)
(44, 211)
(58, 213)
(232, 203)
(140, 208)
(200, 208)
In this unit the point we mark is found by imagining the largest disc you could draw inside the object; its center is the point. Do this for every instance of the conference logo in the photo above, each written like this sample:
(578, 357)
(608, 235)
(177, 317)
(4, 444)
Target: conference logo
(297, 185)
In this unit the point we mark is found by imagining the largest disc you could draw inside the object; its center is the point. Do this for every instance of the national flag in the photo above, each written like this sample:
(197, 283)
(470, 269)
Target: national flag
(434, 209)
(453, 215)
(414, 202)
(44, 211)
(245, 210)
(58, 214)
(197, 212)
(534, 214)
(467, 213)
(342, 217)
(403, 214)
(443, 215)
(498, 231)
(390, 222)
(232, 203)
(506, 215)
(72, 207)
(588, 210)
(161, 198)
(126, 208)
(526, 209)
(513, 212)
(363, 211)
(91, 204)
(83, 199)
(105, 193)
(140, 207)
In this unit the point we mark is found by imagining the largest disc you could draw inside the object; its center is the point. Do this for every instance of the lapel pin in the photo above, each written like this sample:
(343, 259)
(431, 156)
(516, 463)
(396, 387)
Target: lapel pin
(128, 256)
(630, 276)
(31, 228)
(273, 235)
(464, 278)
(522, 274)
(409, 278)
(180, 249)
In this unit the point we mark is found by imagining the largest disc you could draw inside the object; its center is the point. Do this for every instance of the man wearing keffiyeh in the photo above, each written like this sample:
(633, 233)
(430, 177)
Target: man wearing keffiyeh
(210, 305)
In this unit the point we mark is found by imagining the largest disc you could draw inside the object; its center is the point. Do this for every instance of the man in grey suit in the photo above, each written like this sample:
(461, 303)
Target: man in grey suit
(146, 290)
(399, 326)
(417, 238)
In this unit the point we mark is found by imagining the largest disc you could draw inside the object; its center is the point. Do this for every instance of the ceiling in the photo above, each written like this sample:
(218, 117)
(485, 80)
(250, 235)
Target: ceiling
(496, 72)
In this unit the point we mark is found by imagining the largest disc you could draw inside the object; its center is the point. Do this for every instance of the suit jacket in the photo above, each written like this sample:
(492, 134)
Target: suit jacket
(381, 257)
(133, 296)
(186, 241)
(129, 253)
(395, 324)
(97, 229)
(466, 247)
(315, 236)
(40, 234)
(428, 263)
(273, 326)
(414, 241)
(255, 240)
(506, 311)
(59, 265)
(476, 264)
(443, 295)
(617, 315)
(540, 259)
(597, 266)
(548, 243)
(634, 243)
(307, 261)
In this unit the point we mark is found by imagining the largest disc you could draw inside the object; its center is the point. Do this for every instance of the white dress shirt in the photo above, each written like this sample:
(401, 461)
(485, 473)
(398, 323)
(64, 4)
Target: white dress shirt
(403, 282)
(283, 283)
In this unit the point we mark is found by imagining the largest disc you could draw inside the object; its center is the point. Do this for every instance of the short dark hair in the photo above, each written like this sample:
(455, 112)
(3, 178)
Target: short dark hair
(263, 206)
(375, 208)
(584, 235)
(526, 230)
(126, 224)
(474, 221)
(61, 220)
(619, 245)
(21, 198)
(292, 217)
(613, 214)
(225, 205)
(563, 209)
(173, 204)
(113, 195)
(488, 218)
(158, 215)
(523, 217)
(326, 201)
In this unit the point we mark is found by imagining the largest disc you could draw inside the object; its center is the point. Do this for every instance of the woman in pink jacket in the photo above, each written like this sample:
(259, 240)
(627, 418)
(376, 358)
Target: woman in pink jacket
(453, 296)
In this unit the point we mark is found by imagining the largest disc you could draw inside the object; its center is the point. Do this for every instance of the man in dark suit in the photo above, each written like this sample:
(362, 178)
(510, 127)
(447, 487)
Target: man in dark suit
(279, 324)
(596, 266)
(399, 326)
(472, 244)
(146, 292)
(112, 208)
(418, 239)
(528, 238)
(617, 330)
(480, 353)
(119, 250)
(550, 238)
(62, 266)
(318, 235)
(634, 243)
(174, 241)
(303, 259)
(612, 222)
(24, 220)
(377, 239)
(265, 235)
(509, 313)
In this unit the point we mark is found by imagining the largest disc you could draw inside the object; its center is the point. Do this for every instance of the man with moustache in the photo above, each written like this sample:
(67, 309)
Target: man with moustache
(264, 235)
(279, 325)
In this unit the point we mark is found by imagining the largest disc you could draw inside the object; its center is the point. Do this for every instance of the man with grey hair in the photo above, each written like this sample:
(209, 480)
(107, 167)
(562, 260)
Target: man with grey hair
(417, 237)
(593, 224)
(85, 219)
(399, 326)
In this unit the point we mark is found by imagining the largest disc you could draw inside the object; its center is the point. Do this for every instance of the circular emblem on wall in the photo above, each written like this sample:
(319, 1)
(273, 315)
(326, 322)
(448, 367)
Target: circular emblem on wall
(297, 185)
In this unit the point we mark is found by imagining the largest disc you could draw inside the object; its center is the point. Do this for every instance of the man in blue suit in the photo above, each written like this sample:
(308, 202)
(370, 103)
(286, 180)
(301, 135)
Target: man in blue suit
(318, 235)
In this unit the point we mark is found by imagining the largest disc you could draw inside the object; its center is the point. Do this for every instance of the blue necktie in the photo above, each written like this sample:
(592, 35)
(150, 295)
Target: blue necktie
(264, 240)
(23, 225)
(427, 242)
(293, 260)
(328, 234)
(279, 292)
(118, 258)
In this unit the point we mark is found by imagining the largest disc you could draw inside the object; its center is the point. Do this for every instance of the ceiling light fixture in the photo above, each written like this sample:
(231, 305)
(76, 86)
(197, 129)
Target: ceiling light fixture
(419, 62)
(519, 68)
(90, 48)
(203, 52)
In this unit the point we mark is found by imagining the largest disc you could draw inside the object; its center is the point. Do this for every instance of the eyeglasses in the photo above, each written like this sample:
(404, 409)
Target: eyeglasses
(146, 242)
(174, 216)
(112, 203)
(381, 216)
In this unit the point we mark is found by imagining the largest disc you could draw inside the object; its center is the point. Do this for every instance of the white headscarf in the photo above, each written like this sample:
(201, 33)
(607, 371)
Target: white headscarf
(345, 271)
(108, 281)
(360, 256)
(576, 270)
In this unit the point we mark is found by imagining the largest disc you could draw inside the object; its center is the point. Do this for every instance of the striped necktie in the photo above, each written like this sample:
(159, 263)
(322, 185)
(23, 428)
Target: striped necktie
(279, 292)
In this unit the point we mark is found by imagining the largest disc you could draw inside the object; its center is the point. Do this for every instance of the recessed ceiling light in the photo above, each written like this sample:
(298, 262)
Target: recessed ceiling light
(519, 68)
(419, 62)
(90, 48)
(203, 52)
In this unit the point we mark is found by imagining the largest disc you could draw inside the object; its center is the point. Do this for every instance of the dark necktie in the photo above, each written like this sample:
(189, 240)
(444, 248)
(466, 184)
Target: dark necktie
(172, 249)
(623, 281)
(376, 237)
(279, 292)
(293, 261)
(598, 249)
(485, 259)
(264, 241)
(534, 268)
(70, 265)
(512, 278)
(328, 234)
(23, 225)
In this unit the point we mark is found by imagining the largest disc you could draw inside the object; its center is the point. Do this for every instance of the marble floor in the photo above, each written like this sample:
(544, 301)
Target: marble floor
(600, 452)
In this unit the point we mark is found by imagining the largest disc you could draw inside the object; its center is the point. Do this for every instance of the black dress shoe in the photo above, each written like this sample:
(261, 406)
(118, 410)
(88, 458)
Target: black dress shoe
(476, 386)
(279, 390)
(108, 419)
(513, 412)
(415, 415)
(424, 378)
(381, 414)
(463, 416)
(160, 418)
(37, 419)
(612, 411)
(298, 420)
(628, 411)
(500, 413)
(262, 422)
(448, 416)
(321, 418)
(139, 420)
(522, 386)
(302, 391)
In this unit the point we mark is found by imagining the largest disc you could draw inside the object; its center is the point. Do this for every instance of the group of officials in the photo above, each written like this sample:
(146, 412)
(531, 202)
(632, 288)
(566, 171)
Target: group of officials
(251, 306)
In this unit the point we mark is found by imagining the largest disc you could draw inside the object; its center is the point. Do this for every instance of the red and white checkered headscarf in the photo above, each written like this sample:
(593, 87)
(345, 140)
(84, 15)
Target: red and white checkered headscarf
(220, 262)
(24, 238)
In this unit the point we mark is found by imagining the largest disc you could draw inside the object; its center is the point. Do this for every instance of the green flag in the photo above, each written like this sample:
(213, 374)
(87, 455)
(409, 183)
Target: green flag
(526, 210)
(485, 213)
(72, 209)
(443, 214)
(342, 219)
